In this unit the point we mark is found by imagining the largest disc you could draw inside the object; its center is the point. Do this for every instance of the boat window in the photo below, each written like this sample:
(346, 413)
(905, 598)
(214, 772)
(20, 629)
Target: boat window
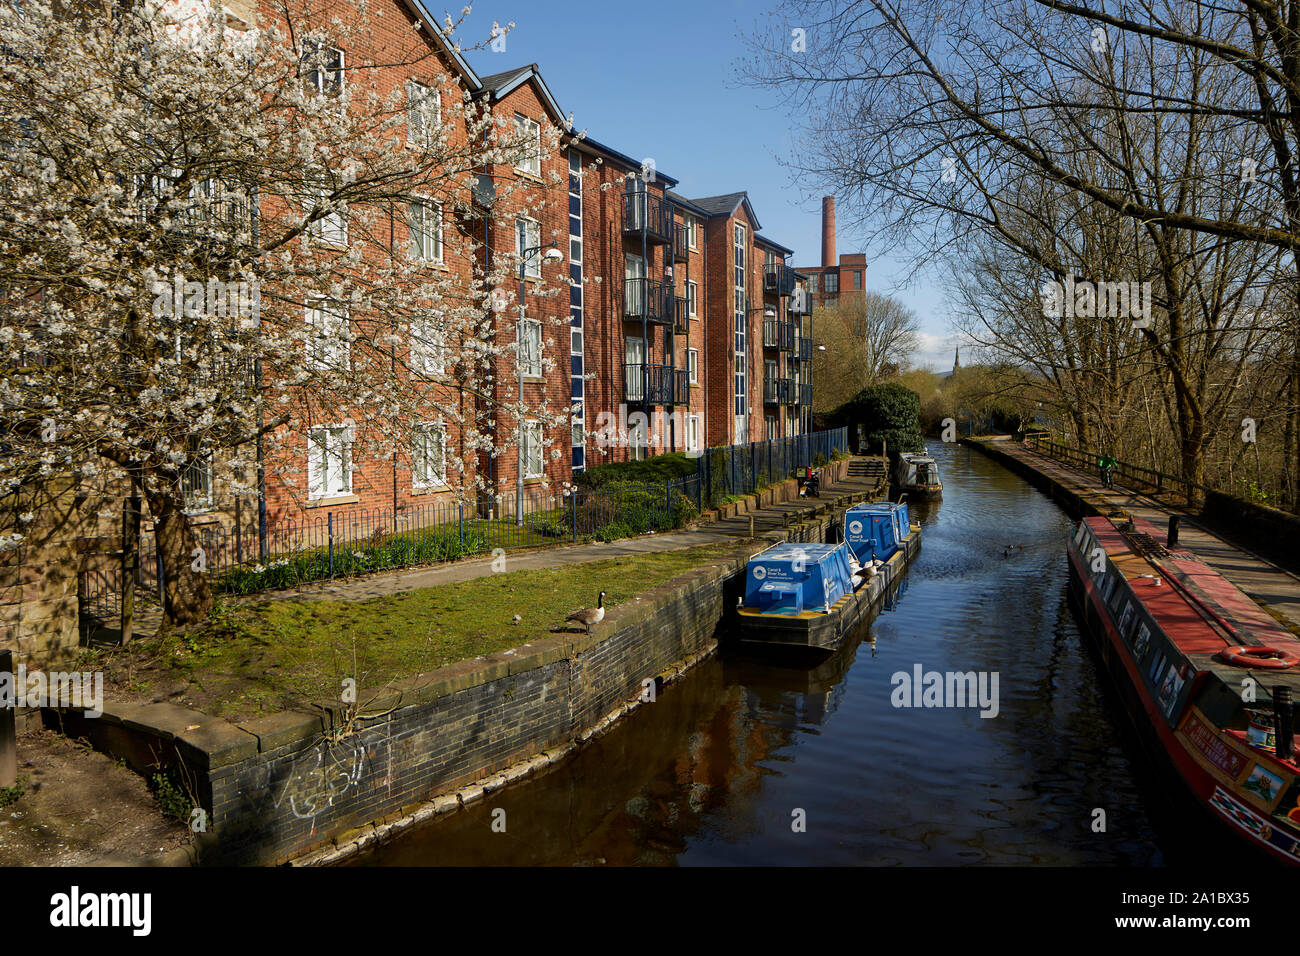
(1125, 620)
(1140, 644)
(1081, 533)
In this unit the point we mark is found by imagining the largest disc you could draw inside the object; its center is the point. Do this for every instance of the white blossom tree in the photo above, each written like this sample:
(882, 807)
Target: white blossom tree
(212, 238)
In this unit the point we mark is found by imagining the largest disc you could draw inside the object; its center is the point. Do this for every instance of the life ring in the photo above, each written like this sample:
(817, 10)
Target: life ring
(1259, 656)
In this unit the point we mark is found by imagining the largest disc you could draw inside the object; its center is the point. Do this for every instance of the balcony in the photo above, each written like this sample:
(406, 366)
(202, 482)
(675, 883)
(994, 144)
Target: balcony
(655, 385)
(778, 335)
(681, 243)
(680, 315)
(648, 215)
(651, 300)
(805, 395)
(778, 279)
(804, 350)
(801, 302)
(778, 391)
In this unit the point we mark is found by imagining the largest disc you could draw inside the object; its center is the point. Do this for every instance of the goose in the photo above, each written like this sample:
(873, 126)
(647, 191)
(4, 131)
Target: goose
(590, 615)
(870, 569)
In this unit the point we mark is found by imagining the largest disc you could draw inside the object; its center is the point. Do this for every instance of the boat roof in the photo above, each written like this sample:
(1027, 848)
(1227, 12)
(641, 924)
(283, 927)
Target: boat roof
(790, 549)
(1202, 612)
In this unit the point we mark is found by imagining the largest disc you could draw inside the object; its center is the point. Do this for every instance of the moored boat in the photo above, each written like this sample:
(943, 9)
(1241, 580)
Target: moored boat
(1205, 674)
(814, 595)
(917, 475)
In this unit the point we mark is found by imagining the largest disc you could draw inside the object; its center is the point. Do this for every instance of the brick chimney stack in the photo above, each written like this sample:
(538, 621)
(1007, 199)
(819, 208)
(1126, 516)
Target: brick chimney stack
(828, 231)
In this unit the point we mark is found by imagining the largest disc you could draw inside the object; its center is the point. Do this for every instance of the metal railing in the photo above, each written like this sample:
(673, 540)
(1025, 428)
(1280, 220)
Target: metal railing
(778, 391)
(354, 542)
(805, 394)
(779, 279)
(649, 299)
(778, 335)
(643, 212)
(804, 350)
(681, 243)
(1127, 472)
(655, 384)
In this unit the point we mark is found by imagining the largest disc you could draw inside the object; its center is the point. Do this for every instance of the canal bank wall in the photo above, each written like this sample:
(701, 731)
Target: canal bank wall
(317, 785)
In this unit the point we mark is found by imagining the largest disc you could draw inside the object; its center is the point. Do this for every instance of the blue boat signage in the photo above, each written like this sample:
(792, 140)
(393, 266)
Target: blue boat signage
(875, 530)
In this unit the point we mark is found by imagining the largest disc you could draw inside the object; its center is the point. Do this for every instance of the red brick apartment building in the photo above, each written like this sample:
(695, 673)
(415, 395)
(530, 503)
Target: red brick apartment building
(835, 281)
(676, 309)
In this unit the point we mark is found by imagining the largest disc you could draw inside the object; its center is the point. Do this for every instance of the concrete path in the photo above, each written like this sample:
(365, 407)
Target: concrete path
(768, 519)
(1276, 590)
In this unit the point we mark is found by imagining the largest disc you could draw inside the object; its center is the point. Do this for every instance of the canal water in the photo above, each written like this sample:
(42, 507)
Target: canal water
(747, 762)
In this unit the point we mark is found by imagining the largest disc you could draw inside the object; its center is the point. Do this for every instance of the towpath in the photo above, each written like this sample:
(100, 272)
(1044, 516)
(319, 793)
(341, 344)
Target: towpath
(1273, 588)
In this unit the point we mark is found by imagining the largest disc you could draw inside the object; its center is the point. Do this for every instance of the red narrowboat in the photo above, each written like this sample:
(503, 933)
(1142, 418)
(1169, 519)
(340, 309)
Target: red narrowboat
(1204, 672)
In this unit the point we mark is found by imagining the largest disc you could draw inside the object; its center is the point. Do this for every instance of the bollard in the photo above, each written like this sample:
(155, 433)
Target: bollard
(1171, 539)
(8, 714)
(751, 525)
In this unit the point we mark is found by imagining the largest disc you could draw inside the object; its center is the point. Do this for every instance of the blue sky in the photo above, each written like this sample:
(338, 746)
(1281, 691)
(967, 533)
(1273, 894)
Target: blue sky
(658, 81)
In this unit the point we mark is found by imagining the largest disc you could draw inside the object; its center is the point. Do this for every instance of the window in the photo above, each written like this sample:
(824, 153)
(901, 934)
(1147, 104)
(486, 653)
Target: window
(812, 283)
(426, 231)
(576, 436)
(530, 133)
(329, 461)
(832, 283)
(691, 298)
(429, 455)
(740, 246)
(529, 339)
(575, 341)
(771, 428)
(196, 482)
(528, 235)
(857, 278)
(693, 365)
(532, 439)
(692, 432)
(322, 68)
(331, 227)
(423, 114)
(428, 345)
(327, 335)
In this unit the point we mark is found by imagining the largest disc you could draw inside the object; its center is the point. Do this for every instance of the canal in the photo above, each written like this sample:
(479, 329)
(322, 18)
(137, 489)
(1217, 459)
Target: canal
(725, 765)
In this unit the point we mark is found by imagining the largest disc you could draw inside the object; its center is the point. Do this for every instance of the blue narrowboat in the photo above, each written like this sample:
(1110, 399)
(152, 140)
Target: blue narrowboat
(814, 595)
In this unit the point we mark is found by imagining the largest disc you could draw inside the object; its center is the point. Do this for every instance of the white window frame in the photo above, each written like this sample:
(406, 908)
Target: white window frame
(317, 73)
(692, 298)
(327, 342)
(196, 502)
(334, 440)
(692, 231)
(533, 440)
(693, 365)
(428, 345)
(692, 432)
(532, 160)
(422, 474)
(529, 237)
(329, 228)
(419, 209)
(530, 360)
(423, 114)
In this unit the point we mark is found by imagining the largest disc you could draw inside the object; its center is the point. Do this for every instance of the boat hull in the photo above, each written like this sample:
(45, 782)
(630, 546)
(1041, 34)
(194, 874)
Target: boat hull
(1166, 744)
(820, 630)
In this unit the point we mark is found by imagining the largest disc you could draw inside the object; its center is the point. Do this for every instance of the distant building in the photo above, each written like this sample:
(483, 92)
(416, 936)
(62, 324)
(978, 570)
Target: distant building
(835, 281)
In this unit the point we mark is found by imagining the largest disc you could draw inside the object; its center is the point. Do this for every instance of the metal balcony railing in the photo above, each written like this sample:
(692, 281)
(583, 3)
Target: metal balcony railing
(805, 395)
(778, 391)
(800, 302)
(681, 243)
(778, 335)
(680, 314)
(804, 350)
(643, 212)
(779, 279)
(649, 299)
(655, 385)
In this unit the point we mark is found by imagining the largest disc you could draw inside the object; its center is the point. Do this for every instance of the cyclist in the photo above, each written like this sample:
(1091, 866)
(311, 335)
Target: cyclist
(1108, 466)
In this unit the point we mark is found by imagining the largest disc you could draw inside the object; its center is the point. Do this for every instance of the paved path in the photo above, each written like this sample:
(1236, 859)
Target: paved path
(1273, 588)
(772, 518)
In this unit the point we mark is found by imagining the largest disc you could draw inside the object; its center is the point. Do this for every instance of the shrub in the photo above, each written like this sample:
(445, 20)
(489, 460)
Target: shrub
(684, 510)
(648, 470)
(550, 525)
(613, 531)
(818, 460)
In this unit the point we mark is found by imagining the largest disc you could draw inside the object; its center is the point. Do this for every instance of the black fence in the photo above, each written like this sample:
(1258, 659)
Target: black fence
(362, 541)
(1135, 476)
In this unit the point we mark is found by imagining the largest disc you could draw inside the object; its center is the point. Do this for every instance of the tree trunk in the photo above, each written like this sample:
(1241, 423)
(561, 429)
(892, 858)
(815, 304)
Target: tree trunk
(187, 595)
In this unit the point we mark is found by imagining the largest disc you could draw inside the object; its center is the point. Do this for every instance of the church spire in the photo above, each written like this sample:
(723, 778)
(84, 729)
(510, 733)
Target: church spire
(956, 360)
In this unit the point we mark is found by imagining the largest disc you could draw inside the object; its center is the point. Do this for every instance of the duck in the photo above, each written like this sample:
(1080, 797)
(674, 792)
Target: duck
(870, 569)
(590, 616)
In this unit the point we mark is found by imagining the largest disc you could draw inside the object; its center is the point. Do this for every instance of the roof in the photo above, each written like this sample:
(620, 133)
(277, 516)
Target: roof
(685, 203)
(501, 85)
(612, 153)
(726, 205)
(763, 240)
(429, 24)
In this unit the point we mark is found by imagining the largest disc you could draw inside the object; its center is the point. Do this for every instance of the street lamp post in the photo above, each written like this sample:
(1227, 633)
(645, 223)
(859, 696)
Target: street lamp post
(552, 254)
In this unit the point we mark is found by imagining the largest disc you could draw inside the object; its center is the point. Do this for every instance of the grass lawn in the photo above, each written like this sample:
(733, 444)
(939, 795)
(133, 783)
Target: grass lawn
(252, 659)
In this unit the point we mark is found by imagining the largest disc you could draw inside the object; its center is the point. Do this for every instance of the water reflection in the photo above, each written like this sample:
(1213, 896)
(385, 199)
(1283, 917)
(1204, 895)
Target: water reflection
(717, 769)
